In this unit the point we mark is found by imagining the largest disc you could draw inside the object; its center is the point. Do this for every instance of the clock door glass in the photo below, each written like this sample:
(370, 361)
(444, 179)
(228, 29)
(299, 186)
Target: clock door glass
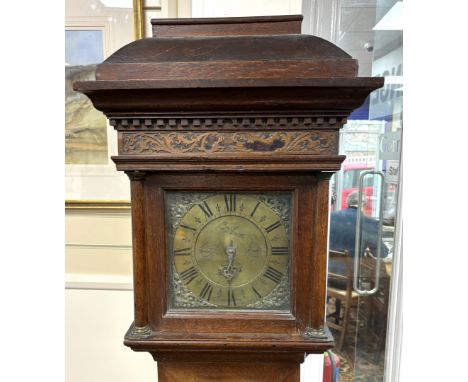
(229, 250)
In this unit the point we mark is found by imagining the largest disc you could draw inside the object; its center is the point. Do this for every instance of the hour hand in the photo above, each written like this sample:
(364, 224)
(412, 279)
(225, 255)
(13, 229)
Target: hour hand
(231, 253)
(230, 271)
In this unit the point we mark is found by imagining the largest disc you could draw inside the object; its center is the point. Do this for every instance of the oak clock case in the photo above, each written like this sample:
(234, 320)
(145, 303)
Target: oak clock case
(229, 250)
(228, 129)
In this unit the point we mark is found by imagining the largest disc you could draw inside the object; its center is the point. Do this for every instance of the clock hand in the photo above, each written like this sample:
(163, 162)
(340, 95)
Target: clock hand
(230, 271)
(231, 253)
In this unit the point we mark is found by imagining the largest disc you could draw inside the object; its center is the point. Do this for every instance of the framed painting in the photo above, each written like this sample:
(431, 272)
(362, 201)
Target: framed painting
(85, 127)
(91, 180)
(93, 31)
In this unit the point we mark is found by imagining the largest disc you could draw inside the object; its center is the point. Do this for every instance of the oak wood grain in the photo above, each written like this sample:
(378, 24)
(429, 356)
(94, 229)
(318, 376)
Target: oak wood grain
(138, 243)
(227, 26)
(228, 371)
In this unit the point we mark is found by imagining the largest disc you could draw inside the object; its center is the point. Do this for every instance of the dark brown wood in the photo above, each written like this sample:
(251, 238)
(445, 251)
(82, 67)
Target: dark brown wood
(225, 372)
(320, 232)
(251, 106)
(178, 337)
(233, 49)
(257, 349)
(138, 242)
(227, 26)
(289, 56)
(170, 324)
(226, 70)
(114, 97)
(253, 164)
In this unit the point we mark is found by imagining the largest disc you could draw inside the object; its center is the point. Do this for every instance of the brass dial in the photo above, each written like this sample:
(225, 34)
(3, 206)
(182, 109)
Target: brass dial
(231, 250)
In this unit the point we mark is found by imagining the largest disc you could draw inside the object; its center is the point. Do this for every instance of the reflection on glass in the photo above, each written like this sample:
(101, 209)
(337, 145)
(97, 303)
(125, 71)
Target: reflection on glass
(371, 140)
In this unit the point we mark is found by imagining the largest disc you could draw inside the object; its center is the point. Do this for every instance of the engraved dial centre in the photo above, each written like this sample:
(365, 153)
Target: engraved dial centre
(231, 251)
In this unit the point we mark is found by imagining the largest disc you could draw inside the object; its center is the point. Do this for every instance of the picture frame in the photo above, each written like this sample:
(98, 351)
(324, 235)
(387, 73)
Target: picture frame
(94, 184)
(100, 186)
(145, 10)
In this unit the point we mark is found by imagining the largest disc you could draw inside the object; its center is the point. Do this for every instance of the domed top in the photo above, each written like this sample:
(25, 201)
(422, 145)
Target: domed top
(235, 48)
(228, 58)
(228, 49)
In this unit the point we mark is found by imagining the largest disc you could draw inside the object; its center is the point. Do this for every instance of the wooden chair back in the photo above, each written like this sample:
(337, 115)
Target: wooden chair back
(342, 257)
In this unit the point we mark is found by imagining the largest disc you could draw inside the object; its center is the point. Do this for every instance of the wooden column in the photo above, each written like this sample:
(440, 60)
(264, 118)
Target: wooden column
(140, 324)
(320, 248)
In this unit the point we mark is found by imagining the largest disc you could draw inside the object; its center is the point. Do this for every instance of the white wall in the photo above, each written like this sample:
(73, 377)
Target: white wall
(228, 8)
(96, 321)
(98, 243)
(99, 299)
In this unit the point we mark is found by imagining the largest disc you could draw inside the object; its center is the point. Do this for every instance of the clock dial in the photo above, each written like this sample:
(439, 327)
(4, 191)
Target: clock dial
(232, 250)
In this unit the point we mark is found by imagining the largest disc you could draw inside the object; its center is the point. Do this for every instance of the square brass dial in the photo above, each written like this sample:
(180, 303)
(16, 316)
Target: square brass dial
(229, 250)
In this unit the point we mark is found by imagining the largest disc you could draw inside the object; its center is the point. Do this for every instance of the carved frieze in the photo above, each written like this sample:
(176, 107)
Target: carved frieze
(281, 142)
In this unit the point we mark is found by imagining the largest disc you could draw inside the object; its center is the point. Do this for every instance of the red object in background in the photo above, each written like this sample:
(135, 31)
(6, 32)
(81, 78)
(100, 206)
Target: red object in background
(367, 191)
(327, 368)
(351, 183)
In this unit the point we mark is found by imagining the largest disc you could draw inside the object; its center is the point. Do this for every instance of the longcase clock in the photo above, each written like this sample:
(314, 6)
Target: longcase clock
(228, 130)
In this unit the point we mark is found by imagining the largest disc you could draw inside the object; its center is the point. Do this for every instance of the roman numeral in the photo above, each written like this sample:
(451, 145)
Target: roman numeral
(206, 291)
(273, 274)
(279, 251)
(256, 292)
(187, 227)
(273, 226)
(255, 209)
(230, 200)
(206, 209)
(182, 252)
(231, 298)
(188, 275)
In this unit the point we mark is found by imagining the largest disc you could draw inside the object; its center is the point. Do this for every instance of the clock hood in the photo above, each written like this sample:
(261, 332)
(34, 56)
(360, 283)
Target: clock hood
(246, 63)
(228, 94)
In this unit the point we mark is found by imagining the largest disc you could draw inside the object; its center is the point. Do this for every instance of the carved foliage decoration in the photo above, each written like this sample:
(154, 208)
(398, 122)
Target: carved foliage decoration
(289, 142)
